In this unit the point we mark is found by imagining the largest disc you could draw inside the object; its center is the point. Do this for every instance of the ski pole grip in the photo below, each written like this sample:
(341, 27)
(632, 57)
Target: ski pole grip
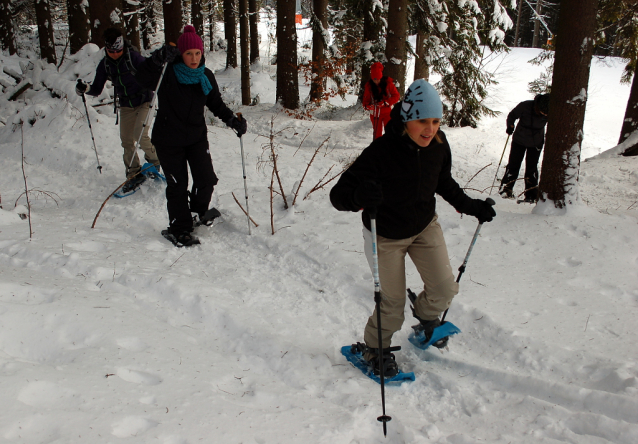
(372, 212)
(239, 117)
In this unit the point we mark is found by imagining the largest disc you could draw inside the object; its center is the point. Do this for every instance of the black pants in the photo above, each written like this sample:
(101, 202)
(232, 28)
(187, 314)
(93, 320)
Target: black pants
(531, 154)
(175, 161)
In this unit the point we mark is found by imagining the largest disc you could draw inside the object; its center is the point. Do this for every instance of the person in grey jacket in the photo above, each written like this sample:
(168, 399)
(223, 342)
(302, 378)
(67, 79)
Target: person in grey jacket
(527, 142)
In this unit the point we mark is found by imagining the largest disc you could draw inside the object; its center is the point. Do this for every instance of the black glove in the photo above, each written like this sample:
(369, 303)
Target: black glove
(166, 54)
(509, 130)
(483, 211)
(238, 123)
(368, 194)
(81, 87)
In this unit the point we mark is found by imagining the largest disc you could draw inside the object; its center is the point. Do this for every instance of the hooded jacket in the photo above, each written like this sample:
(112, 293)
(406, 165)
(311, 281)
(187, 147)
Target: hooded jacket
(530, 130)
(180, 117)
(409, 176)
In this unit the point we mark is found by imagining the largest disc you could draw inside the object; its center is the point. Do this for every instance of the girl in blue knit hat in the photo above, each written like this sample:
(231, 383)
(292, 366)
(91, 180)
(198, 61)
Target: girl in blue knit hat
(180, 135)
(399, 175)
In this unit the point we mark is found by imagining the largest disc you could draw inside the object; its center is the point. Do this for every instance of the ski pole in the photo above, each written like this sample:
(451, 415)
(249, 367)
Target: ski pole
(377, 299)
(499, 164)
(469, 251)
(375, 114)
(146, 119)
(99, 167)
(243, 167)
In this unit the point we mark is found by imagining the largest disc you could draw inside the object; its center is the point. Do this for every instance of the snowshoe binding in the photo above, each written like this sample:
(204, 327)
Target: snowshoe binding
(506, 193)
(153, 172)
(432, 332)
(183, 239)
(391, 373)
(206, 218)
(133, 183)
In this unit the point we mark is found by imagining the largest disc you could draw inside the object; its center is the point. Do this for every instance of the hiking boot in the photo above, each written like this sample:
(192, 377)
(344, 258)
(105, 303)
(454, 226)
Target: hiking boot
(207, 218)
(133, 183)
(390, 367)
(181, 239)
(427, 328)
(506, 193)
(153, 173)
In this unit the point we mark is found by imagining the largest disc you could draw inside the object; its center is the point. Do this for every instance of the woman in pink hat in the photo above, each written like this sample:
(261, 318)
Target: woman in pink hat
(180, 133)
(379, 96)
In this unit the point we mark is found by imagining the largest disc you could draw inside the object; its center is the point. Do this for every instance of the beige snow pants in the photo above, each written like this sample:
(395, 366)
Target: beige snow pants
(131, 123)
(429, 254)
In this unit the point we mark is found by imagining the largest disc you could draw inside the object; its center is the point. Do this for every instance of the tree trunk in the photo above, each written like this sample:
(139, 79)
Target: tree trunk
(7, 36)
(45, 30)
(537, 23)
(78, 24)
(230, 33)
(319, 26)
(172, 10)
(630, 122)
(211, 23)
(244, 40)
(147, 21)
(287, 80)
(253, 18)
(104, 14)
(132, 22)
(395, 50)
(574, 49)
(197, 17)
(518, 23)
(371, 34)
(421, 67)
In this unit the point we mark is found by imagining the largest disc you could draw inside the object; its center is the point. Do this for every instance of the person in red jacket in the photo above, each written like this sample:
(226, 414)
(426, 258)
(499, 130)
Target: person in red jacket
(378, 97)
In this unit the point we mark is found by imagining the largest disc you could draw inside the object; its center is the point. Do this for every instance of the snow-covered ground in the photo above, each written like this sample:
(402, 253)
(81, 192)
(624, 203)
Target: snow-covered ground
(112, 335)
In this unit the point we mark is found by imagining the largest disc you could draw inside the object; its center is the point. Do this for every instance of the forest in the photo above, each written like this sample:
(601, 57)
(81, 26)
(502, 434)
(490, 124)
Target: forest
(454, 38)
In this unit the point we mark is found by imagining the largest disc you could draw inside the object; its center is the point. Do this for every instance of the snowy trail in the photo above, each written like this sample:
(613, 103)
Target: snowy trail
(246, 323)
(112, 334)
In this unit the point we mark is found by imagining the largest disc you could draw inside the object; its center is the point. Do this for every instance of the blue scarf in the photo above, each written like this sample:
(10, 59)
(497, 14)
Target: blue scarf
(190, 76)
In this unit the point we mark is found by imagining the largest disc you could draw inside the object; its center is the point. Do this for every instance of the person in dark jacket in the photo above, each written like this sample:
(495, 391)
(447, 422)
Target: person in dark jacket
(379, 95)
(528, 141)
(399, 175)
(119, 66)
(180, 133)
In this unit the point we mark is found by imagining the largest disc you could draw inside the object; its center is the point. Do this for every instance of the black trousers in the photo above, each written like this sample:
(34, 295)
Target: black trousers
(175, 161)
(531, 154)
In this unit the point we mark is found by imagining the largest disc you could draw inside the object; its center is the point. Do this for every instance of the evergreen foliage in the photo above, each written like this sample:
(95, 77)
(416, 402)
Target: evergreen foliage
(456, 30)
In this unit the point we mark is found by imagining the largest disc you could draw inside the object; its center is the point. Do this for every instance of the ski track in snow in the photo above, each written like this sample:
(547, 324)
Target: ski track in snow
(112, 333)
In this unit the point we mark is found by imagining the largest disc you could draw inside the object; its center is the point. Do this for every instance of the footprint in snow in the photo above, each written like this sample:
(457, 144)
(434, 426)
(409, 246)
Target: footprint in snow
(137, 376)
(570, 262)
(132, 426)
(134, 344)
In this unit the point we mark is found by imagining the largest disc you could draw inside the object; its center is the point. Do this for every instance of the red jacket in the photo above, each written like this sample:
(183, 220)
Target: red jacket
(385, 95)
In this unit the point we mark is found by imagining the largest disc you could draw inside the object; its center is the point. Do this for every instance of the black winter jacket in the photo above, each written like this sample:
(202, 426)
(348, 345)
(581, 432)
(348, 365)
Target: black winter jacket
(409, 177)
(530, 130)
(180, 114)
(120, 72)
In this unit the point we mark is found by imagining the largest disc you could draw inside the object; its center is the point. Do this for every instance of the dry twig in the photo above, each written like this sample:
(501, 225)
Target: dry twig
(242, 208)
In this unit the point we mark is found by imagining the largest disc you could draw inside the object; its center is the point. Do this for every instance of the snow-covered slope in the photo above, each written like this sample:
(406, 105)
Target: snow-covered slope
(110, 334)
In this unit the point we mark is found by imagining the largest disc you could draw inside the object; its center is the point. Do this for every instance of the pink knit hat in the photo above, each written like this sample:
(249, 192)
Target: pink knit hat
(189, 40)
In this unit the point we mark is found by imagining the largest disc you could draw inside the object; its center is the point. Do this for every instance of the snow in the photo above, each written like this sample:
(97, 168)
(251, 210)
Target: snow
(110, 334)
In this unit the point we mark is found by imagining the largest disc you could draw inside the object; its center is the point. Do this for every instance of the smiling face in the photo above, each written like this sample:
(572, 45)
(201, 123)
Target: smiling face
(192, 58)
(422, 131)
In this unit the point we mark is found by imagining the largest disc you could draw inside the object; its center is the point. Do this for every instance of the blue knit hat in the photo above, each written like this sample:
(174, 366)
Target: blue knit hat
(421, 101)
